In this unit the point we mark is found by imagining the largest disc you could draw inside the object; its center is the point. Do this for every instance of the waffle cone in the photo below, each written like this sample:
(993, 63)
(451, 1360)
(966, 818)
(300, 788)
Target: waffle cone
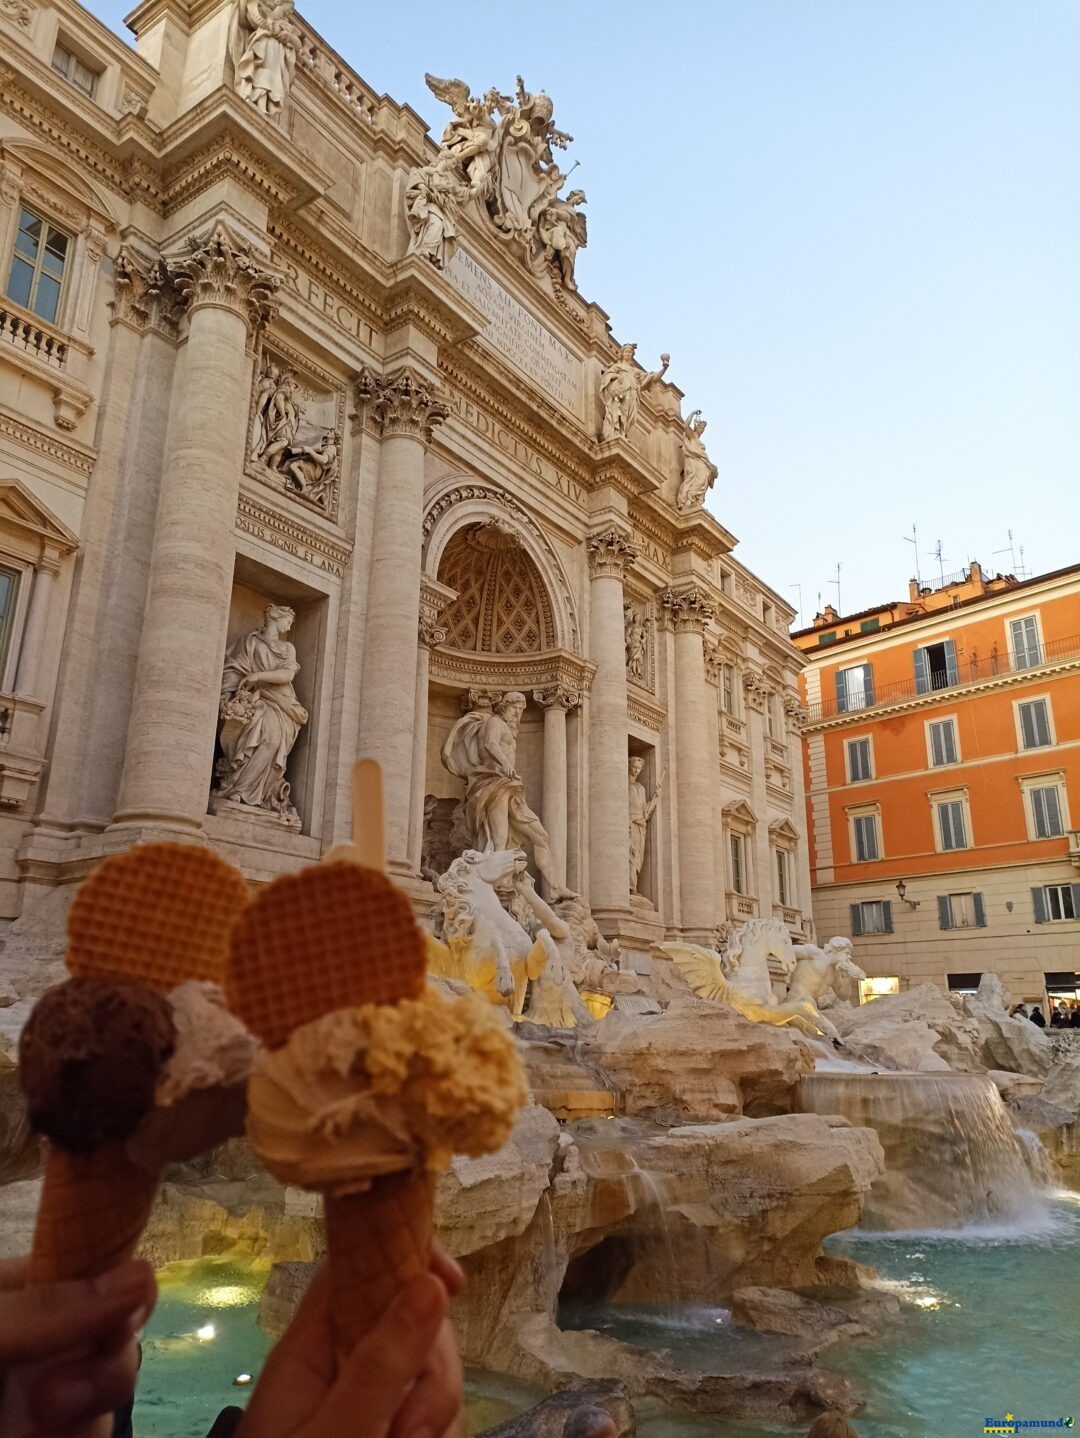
(92, 1212)
(157, 913)
(376, 1242)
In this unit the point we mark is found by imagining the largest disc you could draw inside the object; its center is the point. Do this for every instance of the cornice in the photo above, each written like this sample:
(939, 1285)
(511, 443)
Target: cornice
(552, 670)
(643, 709)
(291, 533)
(52, 126)
(71, 456)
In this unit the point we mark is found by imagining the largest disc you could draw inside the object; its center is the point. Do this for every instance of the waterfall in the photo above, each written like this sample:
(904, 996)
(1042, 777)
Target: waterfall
(951, 1156)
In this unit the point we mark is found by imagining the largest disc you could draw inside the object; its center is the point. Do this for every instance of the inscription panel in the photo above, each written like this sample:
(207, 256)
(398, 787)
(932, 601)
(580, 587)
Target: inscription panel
(490, 428)
(518, 335)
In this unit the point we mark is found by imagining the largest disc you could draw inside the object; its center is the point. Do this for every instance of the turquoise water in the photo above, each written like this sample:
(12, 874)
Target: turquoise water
(200, 1337)
(991, 1324)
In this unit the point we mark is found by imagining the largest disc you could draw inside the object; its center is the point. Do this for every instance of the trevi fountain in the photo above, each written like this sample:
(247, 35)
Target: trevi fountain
(329, 457)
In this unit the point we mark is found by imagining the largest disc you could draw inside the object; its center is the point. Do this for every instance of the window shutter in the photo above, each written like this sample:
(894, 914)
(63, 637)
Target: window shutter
(1038, 903)
(949, 741)
(937, 743)
(841, 692)
(944, 912)
(868, 685)
(1052, 805)
(951, 673)
(980, 911)
(856, 920)
(886, 905)
(922, 672)
(1075, 898)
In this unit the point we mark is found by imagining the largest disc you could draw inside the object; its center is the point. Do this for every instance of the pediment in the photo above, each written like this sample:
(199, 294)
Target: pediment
(50, 179)
(22, 513)
(783, 829)
(740, 810)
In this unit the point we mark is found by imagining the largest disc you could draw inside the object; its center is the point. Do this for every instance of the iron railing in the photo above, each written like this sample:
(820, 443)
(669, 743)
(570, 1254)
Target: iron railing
(970, 669)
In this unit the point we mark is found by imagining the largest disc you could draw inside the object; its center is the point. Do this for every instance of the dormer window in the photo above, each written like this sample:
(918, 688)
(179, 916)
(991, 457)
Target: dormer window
(37, 267)
(74, 70)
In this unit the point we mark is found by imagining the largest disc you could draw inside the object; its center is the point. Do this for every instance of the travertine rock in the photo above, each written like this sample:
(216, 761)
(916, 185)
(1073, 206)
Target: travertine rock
(1017, 1044)
(578, 1412)
(922, 1030)
(826, 1316)
(698, 1060)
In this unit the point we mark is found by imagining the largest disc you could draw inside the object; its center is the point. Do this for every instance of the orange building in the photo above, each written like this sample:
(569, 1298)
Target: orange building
(942, 763)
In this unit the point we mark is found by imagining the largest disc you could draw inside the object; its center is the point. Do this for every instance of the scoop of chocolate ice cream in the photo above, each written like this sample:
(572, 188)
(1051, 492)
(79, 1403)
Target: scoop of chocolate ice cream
(90, 1058)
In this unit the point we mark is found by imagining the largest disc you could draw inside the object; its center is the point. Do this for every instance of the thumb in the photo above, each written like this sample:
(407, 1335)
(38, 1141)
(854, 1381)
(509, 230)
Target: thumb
(384, 1365)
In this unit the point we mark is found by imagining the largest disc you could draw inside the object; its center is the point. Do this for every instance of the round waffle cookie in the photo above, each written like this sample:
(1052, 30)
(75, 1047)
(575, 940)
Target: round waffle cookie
(334, 936)
(158, 913)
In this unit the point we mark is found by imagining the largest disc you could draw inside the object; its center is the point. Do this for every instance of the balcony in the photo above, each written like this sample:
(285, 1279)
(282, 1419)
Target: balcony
(45, 353)
(969, 672)
(740, 907)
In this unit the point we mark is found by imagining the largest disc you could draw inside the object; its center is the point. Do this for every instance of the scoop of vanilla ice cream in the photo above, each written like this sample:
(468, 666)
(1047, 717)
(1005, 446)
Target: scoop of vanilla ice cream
(213, 1048)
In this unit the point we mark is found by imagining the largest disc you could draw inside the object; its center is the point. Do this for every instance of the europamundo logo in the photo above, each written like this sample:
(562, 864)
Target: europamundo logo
(1011, 1424)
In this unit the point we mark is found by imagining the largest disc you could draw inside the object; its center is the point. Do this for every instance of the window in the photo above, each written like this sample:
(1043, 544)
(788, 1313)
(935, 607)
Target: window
(952, 826)
(37, 267)
(1033, 716)
(782, 877)
(1046, 816)
(941, 742)
(829, 638)
(869, 625)
(877, 988)
(738, 871)
(854, 688)
(9, 594)
(725, 581)
(767, 613)
(872, 917)
(773, 716)
(961, 911)
(859, 760)
(964, 983)
(1024, 639)
(728, 688)
(865, 830)
(1056, 902)
(935, 667)
(73, 70)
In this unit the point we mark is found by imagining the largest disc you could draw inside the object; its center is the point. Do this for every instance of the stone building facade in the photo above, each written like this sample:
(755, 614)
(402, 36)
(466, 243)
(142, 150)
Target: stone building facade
(279, 376)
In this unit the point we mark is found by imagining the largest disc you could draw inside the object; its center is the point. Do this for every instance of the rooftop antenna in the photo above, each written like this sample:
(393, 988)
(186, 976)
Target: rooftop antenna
(913, 540)
(798, 587)
(836, 581)
(1017, 571)
(941, 565)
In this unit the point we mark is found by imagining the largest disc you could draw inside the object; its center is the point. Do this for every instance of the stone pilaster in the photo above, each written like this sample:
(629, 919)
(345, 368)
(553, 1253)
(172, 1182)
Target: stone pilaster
(28, 679)
(796, 714)
(556, 702)
(430, 633)
(402, 410)
(760, 861)
(687, 611)
(228, 295)
(609, 805)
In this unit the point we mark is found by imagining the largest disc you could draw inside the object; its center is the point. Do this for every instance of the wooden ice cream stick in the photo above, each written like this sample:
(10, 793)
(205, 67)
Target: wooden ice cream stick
(368, 845)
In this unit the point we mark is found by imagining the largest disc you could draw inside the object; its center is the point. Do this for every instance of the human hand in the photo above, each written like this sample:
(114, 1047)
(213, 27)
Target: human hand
(68, 1351)
(403, 1380)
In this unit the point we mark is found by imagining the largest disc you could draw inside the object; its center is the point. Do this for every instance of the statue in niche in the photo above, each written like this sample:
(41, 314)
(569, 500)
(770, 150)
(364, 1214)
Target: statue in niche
(261, 718)
(637, 644)
(434, 195)
(621, 388)
(698, 469)
(306, 456)
(481, 748)
(561, 231)
(642, 809)
(264, 45)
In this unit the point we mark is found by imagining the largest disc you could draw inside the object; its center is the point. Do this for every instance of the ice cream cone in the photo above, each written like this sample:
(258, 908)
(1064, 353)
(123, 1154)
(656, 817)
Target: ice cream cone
(377, 1242)
(93, 1211)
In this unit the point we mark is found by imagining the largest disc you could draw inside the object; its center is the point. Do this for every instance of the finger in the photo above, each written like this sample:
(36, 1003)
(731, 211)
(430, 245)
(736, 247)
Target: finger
(71, 1394)
(37, 1323)
(447, 1270)
(434, 1401)
(300, 1369)
(386, 1362)
(13, 1273)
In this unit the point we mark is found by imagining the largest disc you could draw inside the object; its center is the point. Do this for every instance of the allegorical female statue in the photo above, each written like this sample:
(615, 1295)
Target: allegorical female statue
(261, 717)
(642, 809)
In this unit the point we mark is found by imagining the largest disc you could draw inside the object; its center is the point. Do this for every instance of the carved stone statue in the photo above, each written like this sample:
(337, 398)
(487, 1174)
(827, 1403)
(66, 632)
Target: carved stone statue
(525, 137)
(434, 195)
(621, 387)
(698, 469)
(265, 43)
(470, 137)
(561, 230)
(261, 718)
(481, 748)
(637, 644)
(304, 455)
(642, 809)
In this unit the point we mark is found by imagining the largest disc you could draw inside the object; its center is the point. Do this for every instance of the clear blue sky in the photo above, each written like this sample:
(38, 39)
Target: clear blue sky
(855, 225)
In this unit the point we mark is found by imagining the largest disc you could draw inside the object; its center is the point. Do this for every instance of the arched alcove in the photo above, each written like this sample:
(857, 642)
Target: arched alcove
(502, 605)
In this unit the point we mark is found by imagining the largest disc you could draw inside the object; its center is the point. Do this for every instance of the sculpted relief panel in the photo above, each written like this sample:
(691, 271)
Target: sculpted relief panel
(295, 436)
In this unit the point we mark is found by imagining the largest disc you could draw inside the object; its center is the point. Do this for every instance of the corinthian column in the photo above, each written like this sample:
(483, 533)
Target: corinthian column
(555, 703)
(403, 407)
(609, 802)
(166, 776)
(688, 611)
(430, 633)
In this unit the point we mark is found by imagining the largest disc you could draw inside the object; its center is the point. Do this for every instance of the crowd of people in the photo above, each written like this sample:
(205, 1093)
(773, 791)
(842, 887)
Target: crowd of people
(1062, 1015)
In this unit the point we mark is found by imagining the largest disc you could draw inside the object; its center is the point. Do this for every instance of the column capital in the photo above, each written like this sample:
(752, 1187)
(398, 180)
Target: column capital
(687, 610)
(145, 295)
(403, 402)
(222, 269)
(797, 713)
(714, 662)
(609, 553)
(754, 688)
(434, 600)
(557, 696)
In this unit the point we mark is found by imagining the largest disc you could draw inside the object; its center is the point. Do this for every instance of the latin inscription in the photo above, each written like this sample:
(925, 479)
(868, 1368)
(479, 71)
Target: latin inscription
(525, 455)
(649, 548)
(518, 335)
(336, 310)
